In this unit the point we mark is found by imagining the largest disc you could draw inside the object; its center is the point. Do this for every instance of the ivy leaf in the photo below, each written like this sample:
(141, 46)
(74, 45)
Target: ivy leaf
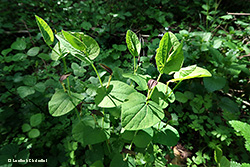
(137, 113)
(133, 43)
(191, 72)
(46, 31)
(61, 102)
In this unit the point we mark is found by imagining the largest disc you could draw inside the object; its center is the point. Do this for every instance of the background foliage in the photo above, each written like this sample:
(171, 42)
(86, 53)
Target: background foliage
(205, 110)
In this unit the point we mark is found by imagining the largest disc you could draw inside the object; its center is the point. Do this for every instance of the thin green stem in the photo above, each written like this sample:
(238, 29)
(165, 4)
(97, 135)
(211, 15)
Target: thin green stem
(174, 89)
(78, 116)
(97, 73)
(54, 50)
(134, 65)
(130, 146)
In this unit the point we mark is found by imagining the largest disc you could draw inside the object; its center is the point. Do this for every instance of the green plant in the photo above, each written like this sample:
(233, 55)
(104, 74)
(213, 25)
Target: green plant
(116, 104)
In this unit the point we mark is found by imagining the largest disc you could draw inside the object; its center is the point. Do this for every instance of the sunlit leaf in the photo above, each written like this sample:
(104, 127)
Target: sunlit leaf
(133, 43)
(46, 31)
(191, 72)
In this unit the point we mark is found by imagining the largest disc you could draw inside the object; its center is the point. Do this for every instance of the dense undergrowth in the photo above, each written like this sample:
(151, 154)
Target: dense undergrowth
(209, 116)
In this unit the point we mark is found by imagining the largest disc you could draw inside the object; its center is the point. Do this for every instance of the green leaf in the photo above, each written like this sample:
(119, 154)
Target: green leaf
(191, 72)
(10, 149)
(114, 96)
(214, 83)
(167, 136)
(243, 128)
(217, 154)
(86, 133)
(119, 47)
(40, 87)
(24, 91)
(74, 41)
(118, 161)
(19, 57)
(34, 133)
(67, 48)
(142, 139)
(127, 134)
(175, 60)
(169, 56)
(224, 162)
(137, 113)
(6, 51)
(227, 17)
(133, 43)
(97, 164)
(78, 70)
(245, 165)
(44, 56)
(161, 97)
(217, 43)
(86, 25)
(93, 49)
(24, 154)
(181, 97)
(36, 119)
(19, 45)
(226, 104)
(56, 50)
(61, 102)
(29, 80)
(33, 51)
(46, 31)
(26, 127)
(138, 79)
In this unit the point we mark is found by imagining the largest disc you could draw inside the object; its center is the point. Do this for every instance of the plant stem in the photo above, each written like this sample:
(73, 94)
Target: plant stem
(54, 50)
(174, 89)
(66, 71)
(126, 157)
(97, 73)
(134, 65)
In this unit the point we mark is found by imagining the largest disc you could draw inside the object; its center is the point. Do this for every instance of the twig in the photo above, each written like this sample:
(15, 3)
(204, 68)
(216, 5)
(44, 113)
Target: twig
(241, 57)
(239, 14)
(28, 32)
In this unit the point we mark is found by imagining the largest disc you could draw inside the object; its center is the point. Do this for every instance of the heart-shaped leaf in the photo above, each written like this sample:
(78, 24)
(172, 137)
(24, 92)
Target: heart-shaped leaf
(138, 79)
(191, 72)
(167, 136)
(162, 95)
(114, 96)
(88, 134)
(61, 102)
(66, 47)
(137, 113)
(92, 47)
(74, 41)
